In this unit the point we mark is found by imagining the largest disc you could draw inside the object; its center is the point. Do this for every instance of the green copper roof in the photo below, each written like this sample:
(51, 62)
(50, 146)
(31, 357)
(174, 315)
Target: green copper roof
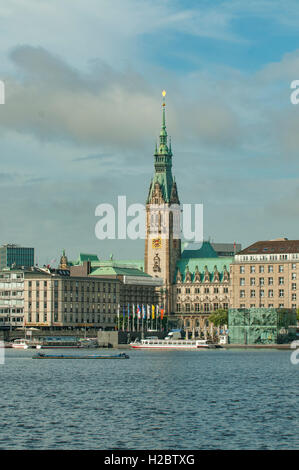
(205, 251)
(115, 269)
(86, 257)
(112, 267)
(201, 264)
(163, 164)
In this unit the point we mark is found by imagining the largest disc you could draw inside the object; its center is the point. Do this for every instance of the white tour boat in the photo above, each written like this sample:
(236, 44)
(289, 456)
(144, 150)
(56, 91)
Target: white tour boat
(25, 344)
(170, 343)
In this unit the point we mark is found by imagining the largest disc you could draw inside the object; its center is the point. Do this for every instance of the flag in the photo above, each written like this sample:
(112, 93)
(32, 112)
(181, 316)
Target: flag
(144, 312)
(128, 311)
(157, 311)
(138, 312)
(153, 312)
(118, 307)
(148, 312)
(162, 313)
(133, 308)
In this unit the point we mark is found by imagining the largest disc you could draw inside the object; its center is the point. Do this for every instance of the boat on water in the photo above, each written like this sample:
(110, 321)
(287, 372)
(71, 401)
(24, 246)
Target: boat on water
(73, 356)
(25, 344)
(173, 342)
(61, 342)
(149, 343)
(5, 344)
(88, 343)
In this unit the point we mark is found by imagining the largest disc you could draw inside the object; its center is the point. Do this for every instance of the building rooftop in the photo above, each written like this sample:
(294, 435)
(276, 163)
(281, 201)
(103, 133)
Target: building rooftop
(205, 251)
(279, 245)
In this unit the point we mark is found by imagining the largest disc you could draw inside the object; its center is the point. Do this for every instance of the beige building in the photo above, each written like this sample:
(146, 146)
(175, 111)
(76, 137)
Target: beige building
(266, 274)
(87, 297)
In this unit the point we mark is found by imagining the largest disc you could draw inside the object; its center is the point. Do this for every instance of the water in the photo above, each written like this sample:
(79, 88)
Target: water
(239, 399)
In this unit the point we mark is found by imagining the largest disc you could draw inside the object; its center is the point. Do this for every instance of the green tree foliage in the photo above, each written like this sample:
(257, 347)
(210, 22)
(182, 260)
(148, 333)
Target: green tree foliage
(219, 317)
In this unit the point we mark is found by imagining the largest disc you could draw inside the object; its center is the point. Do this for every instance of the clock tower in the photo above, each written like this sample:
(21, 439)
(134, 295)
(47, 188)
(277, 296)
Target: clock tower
(163, 239)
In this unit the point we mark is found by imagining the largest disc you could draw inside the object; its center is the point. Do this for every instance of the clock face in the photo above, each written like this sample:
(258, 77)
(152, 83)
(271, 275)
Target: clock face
(157, 243)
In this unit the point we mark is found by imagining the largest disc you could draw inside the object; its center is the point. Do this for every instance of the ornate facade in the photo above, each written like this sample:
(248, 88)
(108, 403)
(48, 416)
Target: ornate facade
(195, 282)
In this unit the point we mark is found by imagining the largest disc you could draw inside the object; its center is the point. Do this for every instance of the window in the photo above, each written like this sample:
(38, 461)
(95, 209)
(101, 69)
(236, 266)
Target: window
(281, 280)
(242, 305)
(270, 293)
(270, 269)
(242, 281)
(178, 291)
(293, 296)
(215, 290)
(280, 268)
(293, 276)
(206, 290)
(281, 293)
(242, 293)
(262, 293)
(252, 269)
(293, 285)
(270, 281)
(252, 293)
(197, 290)
(197, 307)
(252, 281)
(242, 269)
(187, 290)
(294, 266)
(187, 308)
(261, 269)
(262, 281)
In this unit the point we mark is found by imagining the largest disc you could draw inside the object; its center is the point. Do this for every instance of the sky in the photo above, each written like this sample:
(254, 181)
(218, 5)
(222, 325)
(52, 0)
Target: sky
(82, 113)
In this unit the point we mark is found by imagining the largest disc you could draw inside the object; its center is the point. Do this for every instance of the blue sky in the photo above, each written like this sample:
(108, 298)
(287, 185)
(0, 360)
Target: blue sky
(83, 110)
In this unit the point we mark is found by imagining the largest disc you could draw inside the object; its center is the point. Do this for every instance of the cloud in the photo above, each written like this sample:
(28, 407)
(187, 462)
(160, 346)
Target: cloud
(55, 102)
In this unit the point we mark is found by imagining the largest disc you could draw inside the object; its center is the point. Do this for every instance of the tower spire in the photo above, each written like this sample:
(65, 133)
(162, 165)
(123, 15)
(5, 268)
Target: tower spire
(163, 134)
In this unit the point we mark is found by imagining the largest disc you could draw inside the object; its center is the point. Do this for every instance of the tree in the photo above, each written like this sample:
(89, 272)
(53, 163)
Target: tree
(219, 317)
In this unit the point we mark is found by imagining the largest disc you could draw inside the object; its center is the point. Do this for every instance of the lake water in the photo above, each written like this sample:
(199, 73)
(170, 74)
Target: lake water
(221, 399)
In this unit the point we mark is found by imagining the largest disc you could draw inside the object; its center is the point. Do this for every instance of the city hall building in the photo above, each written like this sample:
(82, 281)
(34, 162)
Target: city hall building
(196, 282)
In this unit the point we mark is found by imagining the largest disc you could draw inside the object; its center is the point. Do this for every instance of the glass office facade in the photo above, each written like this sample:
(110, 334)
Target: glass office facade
(18, 256)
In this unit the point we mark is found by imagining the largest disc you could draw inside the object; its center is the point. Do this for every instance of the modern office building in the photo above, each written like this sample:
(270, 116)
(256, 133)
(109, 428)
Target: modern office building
(16, 256)
(12, 297)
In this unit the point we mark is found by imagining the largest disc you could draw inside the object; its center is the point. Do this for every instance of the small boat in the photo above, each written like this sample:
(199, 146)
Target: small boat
(88, 343)
(25, 344)
(73, 356)
(5, 344)
(65, 342)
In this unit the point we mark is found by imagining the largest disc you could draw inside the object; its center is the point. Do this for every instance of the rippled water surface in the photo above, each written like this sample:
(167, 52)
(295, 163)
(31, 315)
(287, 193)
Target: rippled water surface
(219, 399)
